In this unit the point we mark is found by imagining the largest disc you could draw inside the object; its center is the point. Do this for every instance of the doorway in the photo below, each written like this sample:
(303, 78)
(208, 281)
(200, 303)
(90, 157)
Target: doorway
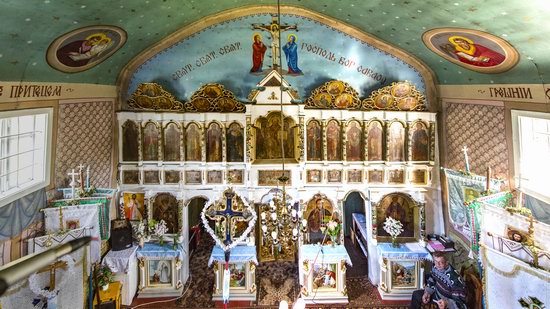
(354, 203)
(194, 209)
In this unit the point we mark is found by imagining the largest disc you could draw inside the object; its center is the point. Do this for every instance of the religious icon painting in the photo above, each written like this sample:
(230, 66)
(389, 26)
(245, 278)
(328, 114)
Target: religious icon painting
(396, 176)
(159, 272)
(150, 142)
(472, 49)
(516, 235)
(343, 101)
(72, 224)
(334, 140)
(235, 176)
(406, 104)
(235, 143)
(383, 101)
(375, 141)
(193, 177)
(400, 207)
(420, 141)
(419, 177)
(401, 89)
(355, 176)
(193, 149)
(134, 205)
(238, 275)
(314, 141)
(334, 176)
(325, 277)
(171, 142)
(268, 139)
(84, 48)
(335, 87)
(130, 177)
(151, 178)
(322, 100)
(271, 177)
(314, 176)
(201, 104)
(214, 177)
(130, 133)
(375, 176)
(165, 207)
(403, 274)
(172, 177)
(354, 141)
(214, 143)
(212, 91)
(396, 141)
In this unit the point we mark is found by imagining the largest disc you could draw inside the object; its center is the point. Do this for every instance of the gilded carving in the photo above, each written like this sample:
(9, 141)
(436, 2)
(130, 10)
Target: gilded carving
(400, 96)
(334, 94)
(209, 98)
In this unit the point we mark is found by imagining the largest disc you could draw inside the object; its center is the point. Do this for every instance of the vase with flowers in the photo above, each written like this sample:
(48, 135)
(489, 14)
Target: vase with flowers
(104, 277)
(140, 233)
(394, 228)
(333, 230)
(159, 229)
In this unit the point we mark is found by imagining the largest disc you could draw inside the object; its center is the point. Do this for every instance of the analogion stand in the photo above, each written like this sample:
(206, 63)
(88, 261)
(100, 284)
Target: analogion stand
(242, 264)
(323, 273)
(161, 271)
(401, 271)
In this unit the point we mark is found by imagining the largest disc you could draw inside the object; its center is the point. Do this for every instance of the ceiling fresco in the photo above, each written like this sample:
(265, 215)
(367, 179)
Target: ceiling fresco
(223, 52)
(29, 27)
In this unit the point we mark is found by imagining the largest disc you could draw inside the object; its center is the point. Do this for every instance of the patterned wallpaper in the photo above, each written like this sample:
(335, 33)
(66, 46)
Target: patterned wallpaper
(481, 128)
(85, 136)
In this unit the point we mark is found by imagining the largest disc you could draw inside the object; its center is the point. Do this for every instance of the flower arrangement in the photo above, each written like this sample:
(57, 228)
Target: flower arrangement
(333, 228)
(104, 276)
(394, 228)
(86, 192)
(159, 229)
(140, 230)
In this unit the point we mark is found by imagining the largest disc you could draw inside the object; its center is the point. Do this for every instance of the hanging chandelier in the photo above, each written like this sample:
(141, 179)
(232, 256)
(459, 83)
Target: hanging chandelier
(281, 219)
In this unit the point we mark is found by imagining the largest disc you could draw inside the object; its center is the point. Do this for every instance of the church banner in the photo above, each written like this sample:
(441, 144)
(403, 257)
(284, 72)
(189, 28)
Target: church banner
(505, 281)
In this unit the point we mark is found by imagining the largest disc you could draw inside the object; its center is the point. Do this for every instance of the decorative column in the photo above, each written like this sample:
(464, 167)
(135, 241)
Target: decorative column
(203, 142)
(344, 142)
(248, 139)
(324, 123)
(140, 140)
(433, 128)
(365, 140)
(182, 145)
(301, 139)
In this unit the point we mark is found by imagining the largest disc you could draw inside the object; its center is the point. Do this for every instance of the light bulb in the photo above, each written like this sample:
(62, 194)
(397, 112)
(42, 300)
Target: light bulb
(263, 215)
(304, 222)
(274, 234)
(294, 231)
(293, 213)
(264, 228)
(273, 216)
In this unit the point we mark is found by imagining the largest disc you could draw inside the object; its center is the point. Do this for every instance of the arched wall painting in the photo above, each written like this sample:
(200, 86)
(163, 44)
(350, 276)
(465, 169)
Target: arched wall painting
(334, 140)
(130, 135)
(214, 143)
(235, 143)
(172, 138)
(193, 143)
(375, 141)
(314, 141)
(238, 51)
(354, 144)
(419, 141)
(475, 50)
(84, 48)
(150, 142)
(270, 134)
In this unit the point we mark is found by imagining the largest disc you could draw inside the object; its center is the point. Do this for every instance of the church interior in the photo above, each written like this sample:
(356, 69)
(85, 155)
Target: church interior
(274, 154)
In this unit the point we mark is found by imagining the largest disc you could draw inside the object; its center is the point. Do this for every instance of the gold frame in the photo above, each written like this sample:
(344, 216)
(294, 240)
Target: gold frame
(163, 285)
(324, 290)
(416, 275)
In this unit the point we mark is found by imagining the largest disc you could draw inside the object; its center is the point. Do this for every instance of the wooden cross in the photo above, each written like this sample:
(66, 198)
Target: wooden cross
(465, 150)
(227, 209)
(81, 174)
(52, 268)
(275, 30)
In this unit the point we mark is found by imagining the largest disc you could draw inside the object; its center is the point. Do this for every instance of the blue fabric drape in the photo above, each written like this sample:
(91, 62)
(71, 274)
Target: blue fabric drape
(18, 215)
(539, 209)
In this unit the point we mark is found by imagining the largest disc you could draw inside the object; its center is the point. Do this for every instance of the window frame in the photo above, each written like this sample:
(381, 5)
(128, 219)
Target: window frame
(48, 134)
(516, 145)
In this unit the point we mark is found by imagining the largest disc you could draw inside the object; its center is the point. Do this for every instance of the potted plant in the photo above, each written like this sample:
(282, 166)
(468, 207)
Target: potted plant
(394, 228)
(104, 277)
(333, 230)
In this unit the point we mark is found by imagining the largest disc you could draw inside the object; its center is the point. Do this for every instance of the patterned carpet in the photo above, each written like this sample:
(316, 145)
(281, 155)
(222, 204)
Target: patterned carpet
(276, 281)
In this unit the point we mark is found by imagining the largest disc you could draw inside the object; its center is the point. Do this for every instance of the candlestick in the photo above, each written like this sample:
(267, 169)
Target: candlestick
(88, 177)
(465, 150)
(488, 185)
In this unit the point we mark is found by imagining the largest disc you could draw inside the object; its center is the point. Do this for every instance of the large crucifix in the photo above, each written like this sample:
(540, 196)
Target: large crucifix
(275, 30)
(226, 211)
(52, 268)
(465, 150)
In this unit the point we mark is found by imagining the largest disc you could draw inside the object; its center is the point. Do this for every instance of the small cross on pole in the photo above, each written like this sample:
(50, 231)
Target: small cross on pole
(73, 182)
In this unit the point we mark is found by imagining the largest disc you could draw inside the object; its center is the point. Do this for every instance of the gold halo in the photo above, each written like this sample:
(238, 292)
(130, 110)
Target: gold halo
(290, 35)
(99, 34)
(256, 34)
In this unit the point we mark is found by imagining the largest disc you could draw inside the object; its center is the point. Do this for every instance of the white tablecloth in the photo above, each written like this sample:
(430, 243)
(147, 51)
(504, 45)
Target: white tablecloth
(118, 261)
